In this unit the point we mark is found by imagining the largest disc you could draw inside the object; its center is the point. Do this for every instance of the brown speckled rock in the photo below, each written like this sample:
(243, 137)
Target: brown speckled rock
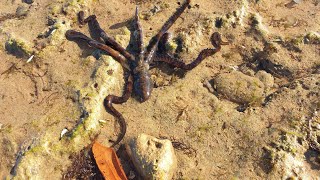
(153, 158)
(239, 87)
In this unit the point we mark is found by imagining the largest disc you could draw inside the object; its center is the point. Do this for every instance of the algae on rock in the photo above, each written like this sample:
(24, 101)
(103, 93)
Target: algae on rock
(18, 47)
(58, 151)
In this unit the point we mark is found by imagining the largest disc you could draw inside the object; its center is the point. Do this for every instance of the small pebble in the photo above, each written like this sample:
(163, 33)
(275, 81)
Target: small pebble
(297, 1)
(28, 1)
(21, 11)
(292, 3)
(51, 21)
(266, 78)
(101, 121)
(208, 85)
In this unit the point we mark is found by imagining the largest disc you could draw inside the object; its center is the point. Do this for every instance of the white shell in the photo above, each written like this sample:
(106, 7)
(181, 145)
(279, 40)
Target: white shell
(63, 132)
(30, 58)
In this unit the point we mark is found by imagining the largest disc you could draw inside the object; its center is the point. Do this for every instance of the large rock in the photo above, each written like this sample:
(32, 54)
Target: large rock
(239, 87)
(152, 157)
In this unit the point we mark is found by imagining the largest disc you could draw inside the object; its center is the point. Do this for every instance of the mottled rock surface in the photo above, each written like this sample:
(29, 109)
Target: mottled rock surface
(239, 87)
(154, 158)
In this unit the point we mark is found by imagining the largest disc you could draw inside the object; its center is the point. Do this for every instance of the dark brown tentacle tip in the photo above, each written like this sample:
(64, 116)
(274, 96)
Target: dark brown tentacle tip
(216, 40)
(81, 17)
(71, 34)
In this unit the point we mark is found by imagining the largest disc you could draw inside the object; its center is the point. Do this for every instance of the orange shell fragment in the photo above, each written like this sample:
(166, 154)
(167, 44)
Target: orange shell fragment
(108, 162)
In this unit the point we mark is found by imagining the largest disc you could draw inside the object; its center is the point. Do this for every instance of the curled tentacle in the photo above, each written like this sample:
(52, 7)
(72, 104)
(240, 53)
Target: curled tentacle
(167, 58)
(216, 40)
(110, 99)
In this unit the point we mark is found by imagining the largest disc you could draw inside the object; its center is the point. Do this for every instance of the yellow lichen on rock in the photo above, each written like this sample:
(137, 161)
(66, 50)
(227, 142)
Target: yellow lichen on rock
(74, 6)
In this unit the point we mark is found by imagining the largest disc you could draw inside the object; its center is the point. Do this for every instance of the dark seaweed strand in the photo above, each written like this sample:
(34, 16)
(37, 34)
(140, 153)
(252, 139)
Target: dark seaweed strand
(139, 36)
(94, 24)
(216, 42)
(153, 44)
(110, 99)
(71, 34)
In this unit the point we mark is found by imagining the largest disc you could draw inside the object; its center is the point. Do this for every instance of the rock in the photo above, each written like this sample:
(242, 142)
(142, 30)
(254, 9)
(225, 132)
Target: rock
(247, 71)
(19, 47)
(312, 38)
(239, 87)
(258, 26)
(28, 1)
(233, 19)
(152, 157)
(286, 158)
(266, 78)
(22, 11)
(74, 6)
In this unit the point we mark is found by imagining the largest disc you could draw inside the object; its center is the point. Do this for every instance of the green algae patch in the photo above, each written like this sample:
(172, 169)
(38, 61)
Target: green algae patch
(55, 9)
(60, 29)
(74, 6)
(171, 46)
